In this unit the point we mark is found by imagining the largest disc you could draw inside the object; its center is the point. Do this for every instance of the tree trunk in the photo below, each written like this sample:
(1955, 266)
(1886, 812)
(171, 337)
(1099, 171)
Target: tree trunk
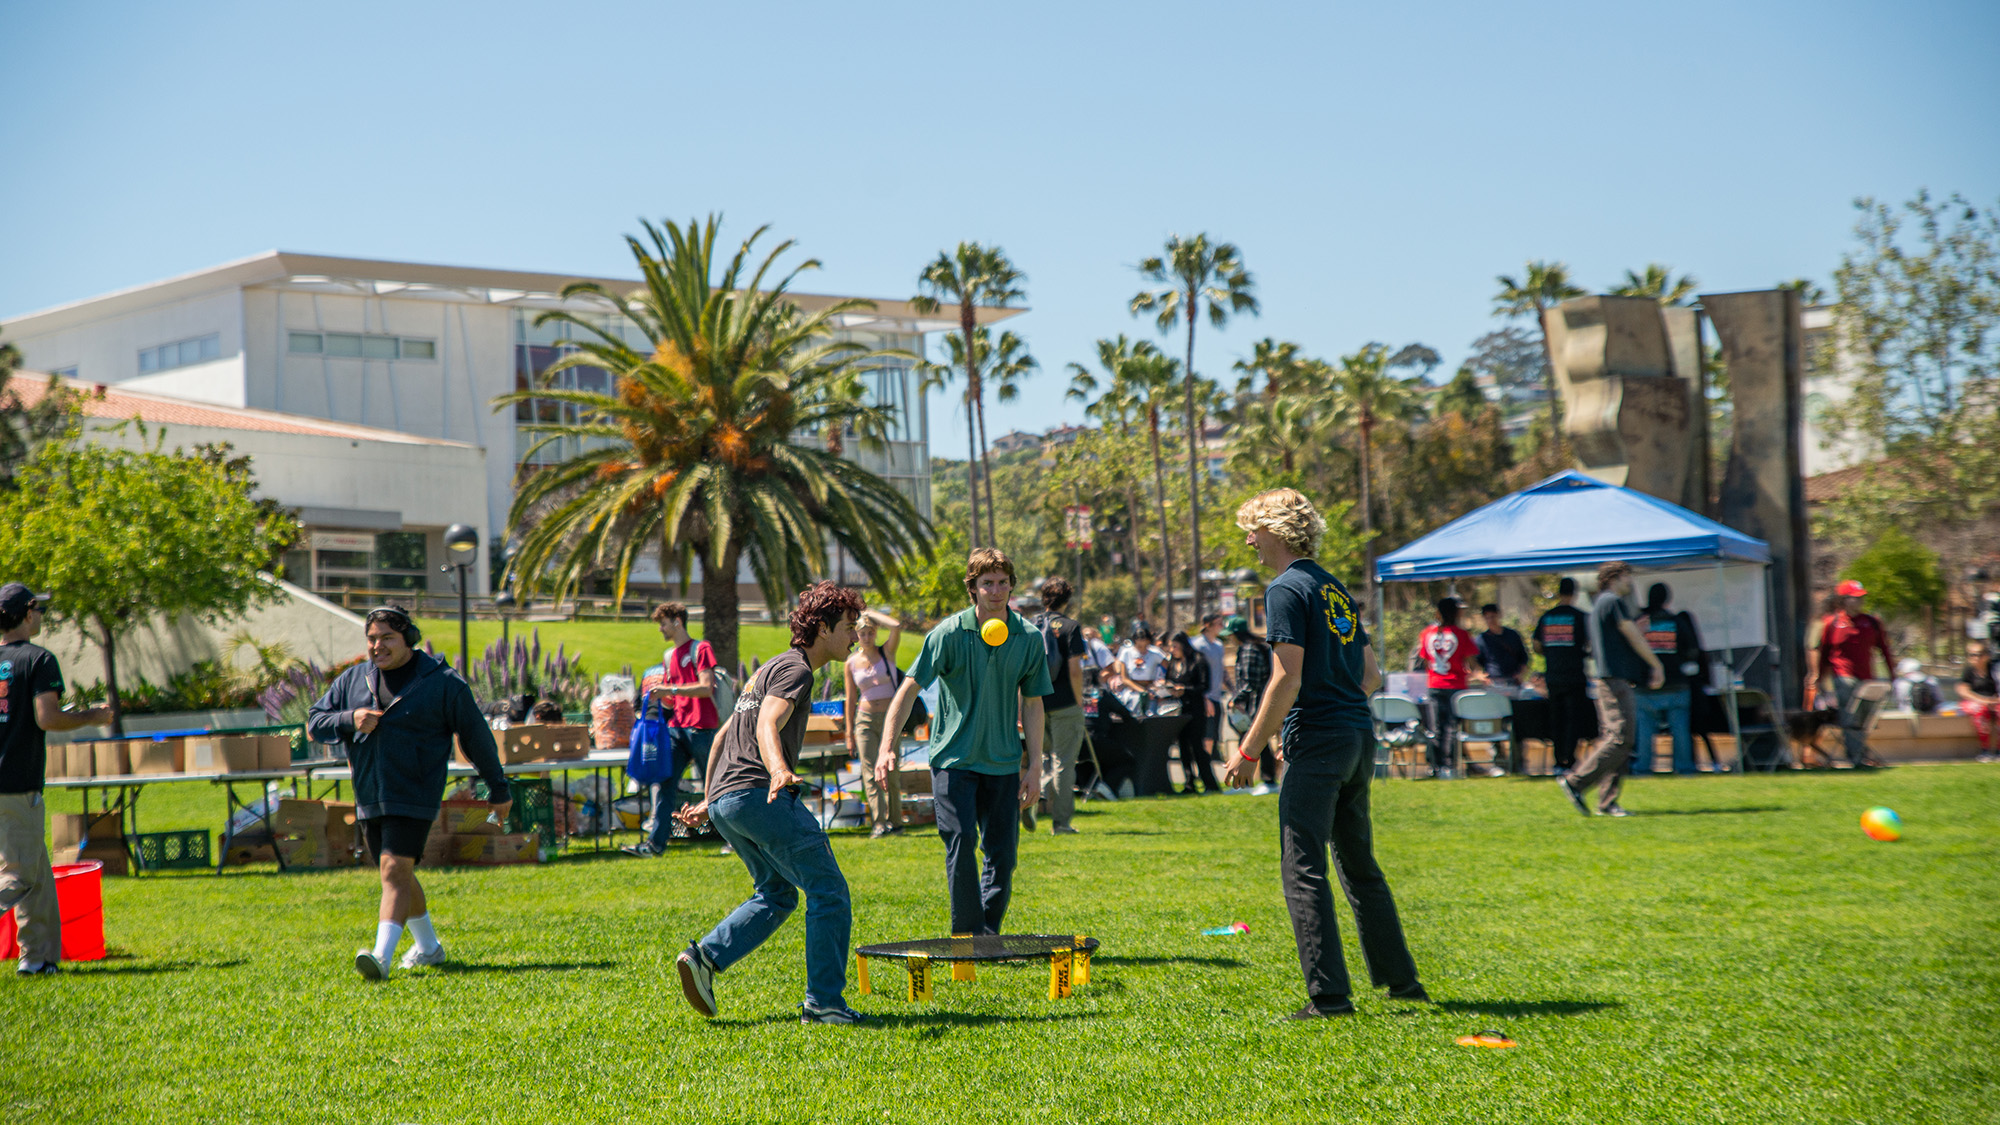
(1367, 519)
(1160, 494)
(986, 473)
(971, 416)
(1194, 470)
(721, 609)
(1132, 544)
(109, 645)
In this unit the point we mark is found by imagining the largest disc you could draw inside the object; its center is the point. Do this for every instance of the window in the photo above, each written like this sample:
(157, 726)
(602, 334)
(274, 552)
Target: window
(354, 345)
(65, 372)
(180, 353)
(400, 550)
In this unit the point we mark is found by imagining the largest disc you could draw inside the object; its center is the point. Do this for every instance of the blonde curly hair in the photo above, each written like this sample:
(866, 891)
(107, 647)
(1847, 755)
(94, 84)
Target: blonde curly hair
(1287, 514)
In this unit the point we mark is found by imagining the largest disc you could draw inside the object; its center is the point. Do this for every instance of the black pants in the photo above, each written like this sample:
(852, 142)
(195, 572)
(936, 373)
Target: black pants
(1194, 756)
(1324, 800)
(980, 808)
(1569, 722)
(1443, 725)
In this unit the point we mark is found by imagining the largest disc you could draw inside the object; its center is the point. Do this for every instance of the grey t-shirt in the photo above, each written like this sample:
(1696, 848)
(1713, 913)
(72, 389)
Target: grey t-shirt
(1218, 670)
(788, 676)
(1615, 658)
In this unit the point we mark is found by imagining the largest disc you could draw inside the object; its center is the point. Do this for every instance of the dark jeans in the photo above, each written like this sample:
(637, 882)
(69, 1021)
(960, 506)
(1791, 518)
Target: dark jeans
(1569, 718)
(1195, 762)
(983, 808)
(1444, 725)
(1324, 800)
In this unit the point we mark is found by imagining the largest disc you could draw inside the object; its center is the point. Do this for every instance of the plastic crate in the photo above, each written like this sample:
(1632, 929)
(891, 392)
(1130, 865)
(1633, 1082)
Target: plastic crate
(168, 851)
(534, 806)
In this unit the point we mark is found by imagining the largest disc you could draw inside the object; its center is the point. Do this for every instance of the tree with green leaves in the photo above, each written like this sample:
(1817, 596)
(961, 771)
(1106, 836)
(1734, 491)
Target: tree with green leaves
(1136, 383)
(1002, 366)
(1903, 577)
(1658, 283)
(119, 535)
(1277, 362)
(1810, 292)
(1541, 286)
(693, 454)
(1461, 396)
(25, 425)
(1365, 394)
(1194, 274)
(972, 277)
(1514, 360)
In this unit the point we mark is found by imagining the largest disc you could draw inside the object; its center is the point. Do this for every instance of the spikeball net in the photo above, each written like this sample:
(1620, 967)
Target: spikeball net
(1068, 956)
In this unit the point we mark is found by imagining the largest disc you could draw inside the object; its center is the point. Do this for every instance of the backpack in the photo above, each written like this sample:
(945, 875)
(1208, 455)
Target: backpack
(1923, 697)
(1051, 646)
(724, 695)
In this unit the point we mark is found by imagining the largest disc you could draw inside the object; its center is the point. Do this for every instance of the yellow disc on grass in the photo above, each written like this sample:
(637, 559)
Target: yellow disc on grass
(994, 632)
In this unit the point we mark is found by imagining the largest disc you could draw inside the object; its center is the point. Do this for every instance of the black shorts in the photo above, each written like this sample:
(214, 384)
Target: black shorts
(397, 835)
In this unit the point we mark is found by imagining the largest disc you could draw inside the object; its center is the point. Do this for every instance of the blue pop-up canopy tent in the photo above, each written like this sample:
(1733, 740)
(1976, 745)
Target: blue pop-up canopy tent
(1572, 522)
(1568, 522)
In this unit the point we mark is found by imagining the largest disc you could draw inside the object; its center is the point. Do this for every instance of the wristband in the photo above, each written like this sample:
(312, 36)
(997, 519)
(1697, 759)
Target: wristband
(1248, 757)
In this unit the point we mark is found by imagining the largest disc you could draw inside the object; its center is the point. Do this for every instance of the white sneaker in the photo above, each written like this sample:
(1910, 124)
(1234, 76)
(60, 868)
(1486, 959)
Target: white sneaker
(1263, 789)
(370, 968)
(415, 960)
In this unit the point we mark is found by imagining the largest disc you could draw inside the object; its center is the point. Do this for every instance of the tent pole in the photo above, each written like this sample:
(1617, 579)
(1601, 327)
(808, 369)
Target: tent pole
(1773, 658)
(1729, 667)
(1378, 621)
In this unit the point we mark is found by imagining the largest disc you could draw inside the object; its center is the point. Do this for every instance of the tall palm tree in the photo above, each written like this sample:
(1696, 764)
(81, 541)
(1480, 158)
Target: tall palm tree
(971, 276)
(1544, 284)
(1365, 394)
(1659, 283)
(1288, 428)
(1194, 273)
(1002, 366)
(1277, 362)
(692, 452)
(1136, 380)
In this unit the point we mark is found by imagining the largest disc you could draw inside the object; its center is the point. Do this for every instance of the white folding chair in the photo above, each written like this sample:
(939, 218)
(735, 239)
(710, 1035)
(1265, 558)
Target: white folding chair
(1399, 735)
(1485, 717)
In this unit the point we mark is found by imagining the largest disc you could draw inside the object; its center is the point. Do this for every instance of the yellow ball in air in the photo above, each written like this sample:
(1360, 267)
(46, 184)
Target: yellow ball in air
(994, 632)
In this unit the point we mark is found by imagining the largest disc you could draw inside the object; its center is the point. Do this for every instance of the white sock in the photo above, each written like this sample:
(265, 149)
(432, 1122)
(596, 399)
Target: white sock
(425, 935)
(387, 934)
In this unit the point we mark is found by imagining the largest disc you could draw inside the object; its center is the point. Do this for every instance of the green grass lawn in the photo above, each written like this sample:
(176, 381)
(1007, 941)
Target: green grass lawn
(609, 645)
(1736, 951)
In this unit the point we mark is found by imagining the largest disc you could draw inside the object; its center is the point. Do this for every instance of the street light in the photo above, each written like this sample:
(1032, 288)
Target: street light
(503, 601)
(461, 545)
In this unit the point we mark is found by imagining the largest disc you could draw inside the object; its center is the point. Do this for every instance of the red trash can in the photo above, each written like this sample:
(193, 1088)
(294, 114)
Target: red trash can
(80, 902)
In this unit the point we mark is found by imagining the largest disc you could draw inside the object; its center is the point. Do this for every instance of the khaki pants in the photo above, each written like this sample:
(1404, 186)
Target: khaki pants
(1605, 767)
(27, 882)
(1062, 739)
(885, 802)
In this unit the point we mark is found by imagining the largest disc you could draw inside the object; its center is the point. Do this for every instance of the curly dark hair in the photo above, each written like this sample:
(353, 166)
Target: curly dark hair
(1056, 593)
(821, 606)
(670, 611)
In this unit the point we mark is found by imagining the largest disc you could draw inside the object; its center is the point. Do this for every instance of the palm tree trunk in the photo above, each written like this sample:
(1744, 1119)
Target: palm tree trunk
(1160, 494)
(1367, 518)
(986, 472)
(971, 396)
(1194, 472)
(109, 646)
(721, 610)
(1132, 537)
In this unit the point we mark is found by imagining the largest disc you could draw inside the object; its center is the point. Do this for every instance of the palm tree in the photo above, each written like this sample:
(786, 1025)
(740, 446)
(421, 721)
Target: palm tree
(1191, 274)
(1277, 362)
(1659, 283)
(972, 276)
(692, 452)
(1544, 284)
(1137, 379)
(1288, 428)
(1003, 366)
(1365, 394)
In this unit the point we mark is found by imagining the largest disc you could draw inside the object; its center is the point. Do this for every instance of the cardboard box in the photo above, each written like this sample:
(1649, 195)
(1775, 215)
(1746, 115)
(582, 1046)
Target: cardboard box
(55, 763)
(565, 741)
(110, 853)
(108, 759)
(465, 818)
(150, 758)
(70, 829)
(298, 818)
(308, 849)
(240, 854)
(79, 758)
(484, 851)
(274, 751)
(234, 754)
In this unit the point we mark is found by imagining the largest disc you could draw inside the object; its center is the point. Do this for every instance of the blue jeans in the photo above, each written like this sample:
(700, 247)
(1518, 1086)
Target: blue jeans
(687, 744)
(1673, 707)
(786, 852)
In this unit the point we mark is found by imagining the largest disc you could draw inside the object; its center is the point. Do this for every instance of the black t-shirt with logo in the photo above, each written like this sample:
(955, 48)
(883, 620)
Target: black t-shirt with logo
(1981, 683)
(1565, 637)
(1309, 608)
(1068, 637)
(26, 671)
(1673, 639)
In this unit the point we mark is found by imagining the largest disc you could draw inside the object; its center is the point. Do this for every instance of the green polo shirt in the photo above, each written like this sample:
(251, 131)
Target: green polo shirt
(975, 727)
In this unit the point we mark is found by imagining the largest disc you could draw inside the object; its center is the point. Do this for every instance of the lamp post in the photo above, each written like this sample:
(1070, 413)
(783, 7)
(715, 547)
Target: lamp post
(461, 545)
(503, 601)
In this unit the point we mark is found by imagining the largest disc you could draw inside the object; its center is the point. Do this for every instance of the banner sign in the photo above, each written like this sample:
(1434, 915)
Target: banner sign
(1078, 534)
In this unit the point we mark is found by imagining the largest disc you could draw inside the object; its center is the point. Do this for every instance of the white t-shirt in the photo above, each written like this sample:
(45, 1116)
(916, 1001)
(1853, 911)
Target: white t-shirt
(1142, 667)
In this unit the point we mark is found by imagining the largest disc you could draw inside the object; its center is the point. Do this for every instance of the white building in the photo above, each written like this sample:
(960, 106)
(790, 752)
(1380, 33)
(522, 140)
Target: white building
(415, 350)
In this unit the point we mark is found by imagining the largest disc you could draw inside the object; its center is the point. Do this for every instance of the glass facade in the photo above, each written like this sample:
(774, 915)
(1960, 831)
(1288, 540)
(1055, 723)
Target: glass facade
(339, 560)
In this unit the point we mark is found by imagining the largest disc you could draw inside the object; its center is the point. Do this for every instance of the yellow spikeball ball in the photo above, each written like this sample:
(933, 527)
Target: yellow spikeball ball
(994, 632)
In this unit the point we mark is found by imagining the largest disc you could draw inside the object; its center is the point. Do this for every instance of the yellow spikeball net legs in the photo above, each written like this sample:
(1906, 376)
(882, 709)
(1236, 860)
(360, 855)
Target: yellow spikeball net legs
(1062, 965)
(920, 975)
(861, 965)
(1082, 973)
(962, 970)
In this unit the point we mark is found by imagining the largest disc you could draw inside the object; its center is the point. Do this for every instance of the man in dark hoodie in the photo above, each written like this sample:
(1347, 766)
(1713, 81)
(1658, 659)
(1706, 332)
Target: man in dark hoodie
(397, 713)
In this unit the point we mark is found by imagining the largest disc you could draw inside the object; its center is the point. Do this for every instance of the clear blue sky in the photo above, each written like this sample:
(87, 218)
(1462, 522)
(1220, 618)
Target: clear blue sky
(1377, 163)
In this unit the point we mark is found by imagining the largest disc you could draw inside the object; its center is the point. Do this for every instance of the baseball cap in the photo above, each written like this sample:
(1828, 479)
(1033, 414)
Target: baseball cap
(1851, 589)
(16, 598)
(1236, 626)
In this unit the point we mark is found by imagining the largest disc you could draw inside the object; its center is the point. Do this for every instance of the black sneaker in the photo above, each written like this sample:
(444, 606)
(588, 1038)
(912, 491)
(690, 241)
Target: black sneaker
(1412, 992)
(1314, 1010)
(1570, 791)
(813, 1013)
(697, 979)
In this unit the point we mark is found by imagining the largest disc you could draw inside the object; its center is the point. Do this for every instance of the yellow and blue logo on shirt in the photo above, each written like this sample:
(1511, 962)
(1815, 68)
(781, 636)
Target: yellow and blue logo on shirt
(1340, 619)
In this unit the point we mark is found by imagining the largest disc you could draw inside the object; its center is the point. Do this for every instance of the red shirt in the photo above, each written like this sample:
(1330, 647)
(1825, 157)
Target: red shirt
(1450, 652)
(1846, 643)
(684, 666)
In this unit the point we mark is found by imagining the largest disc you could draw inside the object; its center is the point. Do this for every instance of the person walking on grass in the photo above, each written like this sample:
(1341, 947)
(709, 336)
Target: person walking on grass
(397, 713)
(753, 800)
(978, 777)
(31, 687)
(1066, 650)
(1845, 654)
(870, 677)
(1624, 661)
(1562, 636)
(1324, 674)
(686, 682)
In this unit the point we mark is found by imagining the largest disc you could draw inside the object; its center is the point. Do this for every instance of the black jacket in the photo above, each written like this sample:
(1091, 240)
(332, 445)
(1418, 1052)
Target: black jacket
(399, 768)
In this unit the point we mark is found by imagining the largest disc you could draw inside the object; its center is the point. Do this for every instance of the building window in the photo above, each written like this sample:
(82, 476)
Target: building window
(65, 372)
(180, 353)
(342, 560)
(354, 345)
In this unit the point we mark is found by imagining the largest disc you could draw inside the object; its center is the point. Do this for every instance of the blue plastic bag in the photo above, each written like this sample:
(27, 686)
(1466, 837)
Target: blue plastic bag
(652, 758)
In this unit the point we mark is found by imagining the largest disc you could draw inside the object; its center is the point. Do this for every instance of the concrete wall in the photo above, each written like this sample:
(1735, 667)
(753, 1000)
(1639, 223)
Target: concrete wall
(107, 351)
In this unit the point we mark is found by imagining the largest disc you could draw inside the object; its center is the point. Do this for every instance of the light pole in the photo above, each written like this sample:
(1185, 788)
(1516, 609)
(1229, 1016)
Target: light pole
(503, 601)
(461, 544)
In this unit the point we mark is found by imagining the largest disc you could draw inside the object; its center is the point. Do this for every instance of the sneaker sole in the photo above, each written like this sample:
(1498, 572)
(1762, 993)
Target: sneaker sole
(693, 991)
(368, 967)
(1575, 798)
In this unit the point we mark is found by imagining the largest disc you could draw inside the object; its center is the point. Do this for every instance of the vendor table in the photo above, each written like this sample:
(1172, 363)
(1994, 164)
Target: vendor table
(602, 764)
